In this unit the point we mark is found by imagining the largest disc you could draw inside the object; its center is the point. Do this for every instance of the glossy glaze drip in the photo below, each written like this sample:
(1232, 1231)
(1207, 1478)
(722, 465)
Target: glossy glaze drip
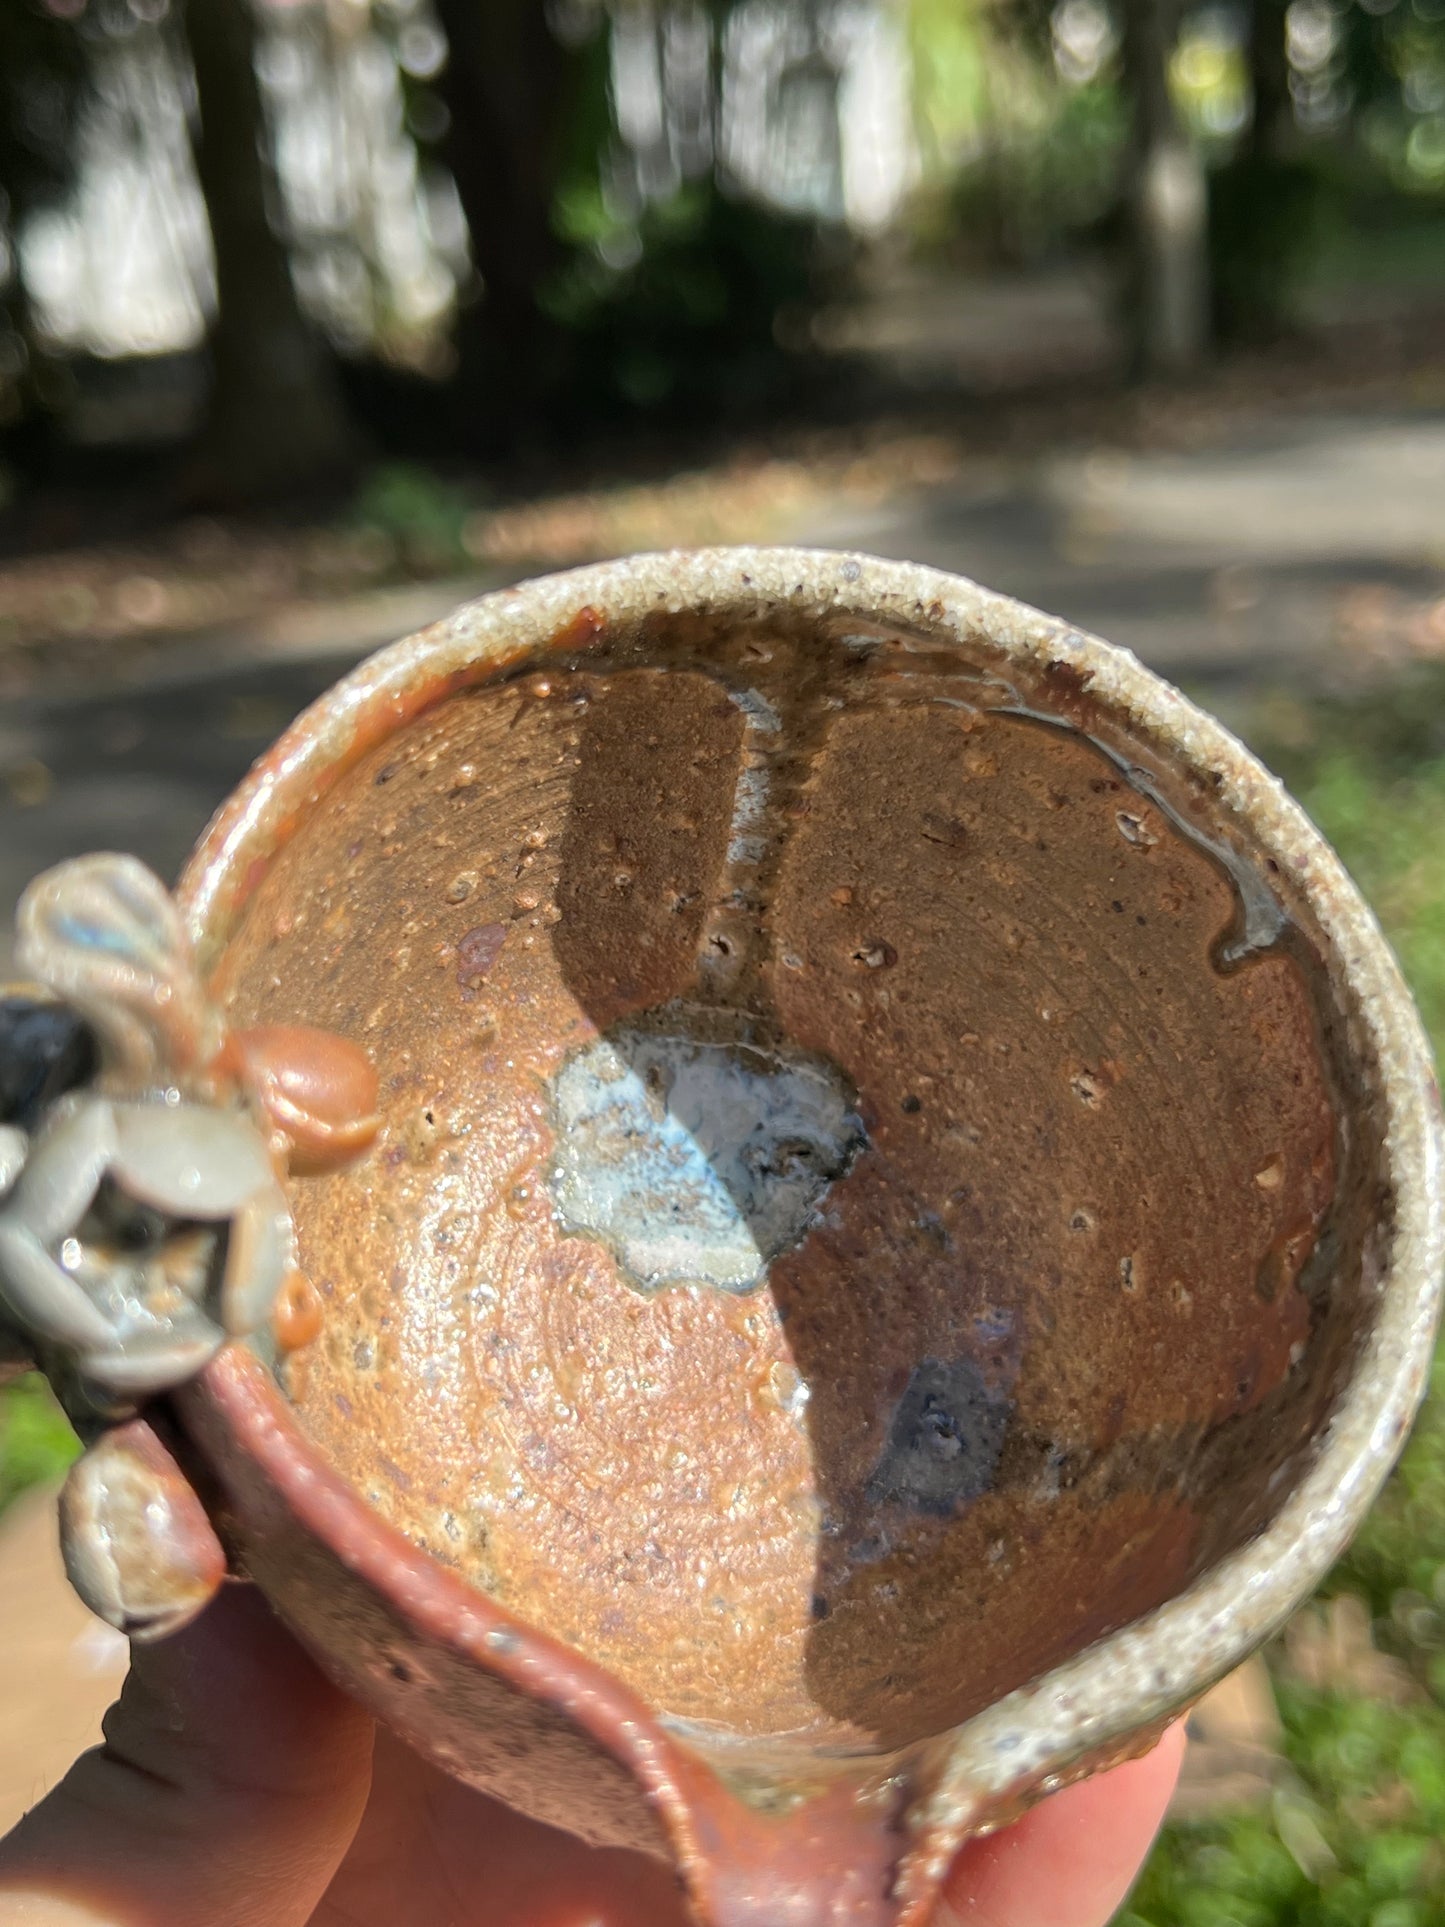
(1260, 921)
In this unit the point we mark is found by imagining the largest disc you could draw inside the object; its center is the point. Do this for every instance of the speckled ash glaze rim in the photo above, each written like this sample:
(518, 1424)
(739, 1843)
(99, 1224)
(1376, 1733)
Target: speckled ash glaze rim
(1126, 1685)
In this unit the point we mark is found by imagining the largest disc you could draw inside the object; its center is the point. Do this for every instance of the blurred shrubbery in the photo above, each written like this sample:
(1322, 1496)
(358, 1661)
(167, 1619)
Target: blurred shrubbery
(35, 1441)
(418, 516)
(698, 306)
(1046, 186)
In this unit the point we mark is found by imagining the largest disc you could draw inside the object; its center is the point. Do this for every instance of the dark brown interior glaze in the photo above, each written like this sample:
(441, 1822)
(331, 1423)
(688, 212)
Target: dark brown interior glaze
(1056, 1332)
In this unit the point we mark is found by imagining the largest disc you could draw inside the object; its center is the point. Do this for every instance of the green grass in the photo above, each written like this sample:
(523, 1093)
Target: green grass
(1355, 1838)
(35, 1441)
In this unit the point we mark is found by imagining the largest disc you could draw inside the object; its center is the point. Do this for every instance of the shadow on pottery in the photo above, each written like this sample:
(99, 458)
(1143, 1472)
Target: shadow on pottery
(903, 1233)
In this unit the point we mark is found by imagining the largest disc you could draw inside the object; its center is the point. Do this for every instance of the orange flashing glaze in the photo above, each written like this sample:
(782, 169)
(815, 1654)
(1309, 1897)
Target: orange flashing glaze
(376, 717)
(319, 1090)
(297, 1318)
(581, 632)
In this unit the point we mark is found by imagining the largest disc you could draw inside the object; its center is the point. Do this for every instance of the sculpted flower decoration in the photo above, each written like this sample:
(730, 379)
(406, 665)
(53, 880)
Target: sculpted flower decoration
(138, 1236)
(143, 1220)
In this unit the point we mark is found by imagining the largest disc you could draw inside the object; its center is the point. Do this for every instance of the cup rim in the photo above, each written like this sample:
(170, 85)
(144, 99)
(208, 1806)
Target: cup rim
(1134, 1679)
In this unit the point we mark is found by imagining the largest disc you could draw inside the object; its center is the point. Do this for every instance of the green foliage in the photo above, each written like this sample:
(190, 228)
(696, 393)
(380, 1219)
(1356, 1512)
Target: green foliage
(1043, 182)
(1356, 1839)
(415, 515)
(1015, 162)
(1392, 62)
(687, 307)
(1372, 773)
(949, 48)
(35, 1441)
(1353, 1839)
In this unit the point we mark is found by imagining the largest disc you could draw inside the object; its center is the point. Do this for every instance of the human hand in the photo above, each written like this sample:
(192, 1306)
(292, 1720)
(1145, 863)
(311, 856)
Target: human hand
(237, 1788)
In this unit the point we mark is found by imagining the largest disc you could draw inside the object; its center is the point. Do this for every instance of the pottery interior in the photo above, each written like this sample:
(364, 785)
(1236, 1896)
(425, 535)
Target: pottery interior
(863, 1206)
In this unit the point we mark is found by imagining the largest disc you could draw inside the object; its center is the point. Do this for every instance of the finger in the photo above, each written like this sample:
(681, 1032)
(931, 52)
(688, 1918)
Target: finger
(1070, 1861)
(227, 1791)
(431, 1851)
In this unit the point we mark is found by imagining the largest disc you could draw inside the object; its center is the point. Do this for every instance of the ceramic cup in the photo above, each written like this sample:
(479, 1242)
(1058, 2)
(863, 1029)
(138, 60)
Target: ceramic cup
(900, 1233)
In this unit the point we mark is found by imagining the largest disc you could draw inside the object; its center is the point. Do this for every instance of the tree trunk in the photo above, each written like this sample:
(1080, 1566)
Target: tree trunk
(1269, 79)
(275, 424)
(1265, 216)
(1167, 204)
(508, 86)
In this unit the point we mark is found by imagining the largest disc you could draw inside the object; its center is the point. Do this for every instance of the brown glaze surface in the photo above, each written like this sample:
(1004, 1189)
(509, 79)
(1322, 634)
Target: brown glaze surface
(512, 1712)
(1041, 1353)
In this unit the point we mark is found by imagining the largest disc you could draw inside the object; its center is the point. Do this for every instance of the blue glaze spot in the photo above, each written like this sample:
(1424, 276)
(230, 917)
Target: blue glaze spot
(95, 936)
(697, 1162)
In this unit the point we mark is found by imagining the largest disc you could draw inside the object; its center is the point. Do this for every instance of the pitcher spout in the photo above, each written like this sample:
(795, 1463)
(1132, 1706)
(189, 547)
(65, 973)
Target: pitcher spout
(830, 1861)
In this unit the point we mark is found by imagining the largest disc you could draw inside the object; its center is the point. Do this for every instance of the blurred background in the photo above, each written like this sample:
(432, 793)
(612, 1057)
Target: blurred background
(318, 316)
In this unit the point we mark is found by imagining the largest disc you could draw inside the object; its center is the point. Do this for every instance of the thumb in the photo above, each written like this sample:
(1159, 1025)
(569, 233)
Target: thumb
(1069, 1861)
(228, 1788)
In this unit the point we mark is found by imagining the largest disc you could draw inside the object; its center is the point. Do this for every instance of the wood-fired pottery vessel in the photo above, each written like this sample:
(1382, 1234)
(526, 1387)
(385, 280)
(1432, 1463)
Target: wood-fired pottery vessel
(890, 1235)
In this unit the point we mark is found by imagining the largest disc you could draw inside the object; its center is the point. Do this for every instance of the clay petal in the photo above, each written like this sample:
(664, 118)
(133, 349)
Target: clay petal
(63, 1171)
(138, 1546)
(103, 933)
(189, 1161)
(141, 1368)
(44, 1298)
(261, 1251)
(319, 1089)
(14, 1145)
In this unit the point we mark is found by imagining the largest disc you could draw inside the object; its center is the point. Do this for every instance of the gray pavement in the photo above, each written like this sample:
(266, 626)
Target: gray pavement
(139, 770)
(1225, 569)
(1227, 566)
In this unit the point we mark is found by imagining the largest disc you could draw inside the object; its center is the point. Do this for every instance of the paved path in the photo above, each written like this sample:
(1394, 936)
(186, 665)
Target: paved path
(138, 771)
(1226, 566)
(1222, 569)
